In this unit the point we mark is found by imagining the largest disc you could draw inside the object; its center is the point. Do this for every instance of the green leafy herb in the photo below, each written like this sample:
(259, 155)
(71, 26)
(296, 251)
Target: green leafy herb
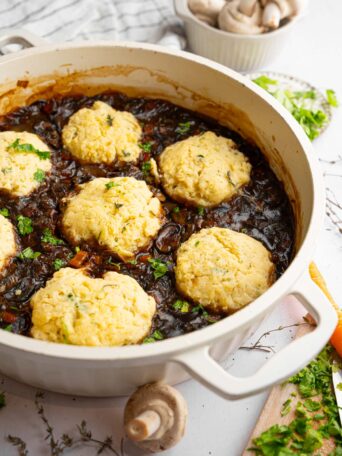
(298, 104)
(2, 400)
(146, 147)
(49, 238)
(5, 212)
(312, 406)
(8, 328)
(58, 264)
(159, 267)
(200, 210)
(29, 148)
(134, 262)
(39, 175)
(286, 407)
(24, 225)
(109, 120)
(331, 98)
(200, 309)
(146, 167)
(111, 184)
(182, 306)
(156, 335)
(28, 254)
(183, 127)
(176, 210)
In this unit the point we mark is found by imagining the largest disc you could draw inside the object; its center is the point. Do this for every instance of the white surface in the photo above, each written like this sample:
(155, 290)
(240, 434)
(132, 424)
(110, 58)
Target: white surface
(216, 427)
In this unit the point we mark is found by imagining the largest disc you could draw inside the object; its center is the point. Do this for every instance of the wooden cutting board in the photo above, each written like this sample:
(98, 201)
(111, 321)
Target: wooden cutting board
(271, 413)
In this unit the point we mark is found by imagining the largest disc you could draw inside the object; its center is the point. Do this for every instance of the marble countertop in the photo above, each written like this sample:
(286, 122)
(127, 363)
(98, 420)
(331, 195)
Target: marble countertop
(216, 427)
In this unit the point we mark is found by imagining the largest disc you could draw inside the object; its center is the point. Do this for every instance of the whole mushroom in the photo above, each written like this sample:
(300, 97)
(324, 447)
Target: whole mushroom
(276, 10)
(206, 10)
(241, 16)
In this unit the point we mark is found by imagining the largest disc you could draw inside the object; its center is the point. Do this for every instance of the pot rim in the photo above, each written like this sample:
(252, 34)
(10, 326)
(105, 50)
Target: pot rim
(240, 319)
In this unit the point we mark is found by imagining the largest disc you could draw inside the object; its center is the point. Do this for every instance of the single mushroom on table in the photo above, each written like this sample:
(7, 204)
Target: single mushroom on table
(206, 10)
(155, 417)
(241, 16)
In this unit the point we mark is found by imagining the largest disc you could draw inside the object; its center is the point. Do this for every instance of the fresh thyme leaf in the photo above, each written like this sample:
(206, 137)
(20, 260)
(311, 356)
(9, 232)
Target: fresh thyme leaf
(5, 212)
(159, 267)
(182, 306)
(29, 148)
(331, 98)
(49, 238)
(24, 225)
(58, 264)
(28, 254)
(109, 120)
(146, 147)
(2, 400)
(156, 335)
(39, 175)
(183, 127)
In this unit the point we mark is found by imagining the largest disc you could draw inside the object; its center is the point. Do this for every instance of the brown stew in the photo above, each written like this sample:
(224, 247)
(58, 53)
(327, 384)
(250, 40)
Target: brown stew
(261, 209)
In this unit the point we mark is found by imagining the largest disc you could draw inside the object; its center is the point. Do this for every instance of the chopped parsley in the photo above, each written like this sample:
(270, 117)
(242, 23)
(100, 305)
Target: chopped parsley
(176, 210)
(8, 328)
(58, 264)
(286, 407)
(183, 127)
(146, 167)
(109, 120)
(200, 210)
(2, 400)
(49, 238)
(28, 254)
(299, 104)
(331, 98)
(146, 147)
(29, 148)
(24, 225)
(303, 435)
(134, 262)
(159, 267)
(156, 335)
(182, 306)
(111, 184)
(39, 175)
(200, 309)
(4, 211)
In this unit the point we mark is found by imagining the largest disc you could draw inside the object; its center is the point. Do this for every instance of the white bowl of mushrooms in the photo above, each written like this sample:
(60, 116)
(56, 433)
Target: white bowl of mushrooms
(242, 34)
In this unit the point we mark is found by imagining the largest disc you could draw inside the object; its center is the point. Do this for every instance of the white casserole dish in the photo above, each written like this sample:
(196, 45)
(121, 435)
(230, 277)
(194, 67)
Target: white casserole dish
(212, 89)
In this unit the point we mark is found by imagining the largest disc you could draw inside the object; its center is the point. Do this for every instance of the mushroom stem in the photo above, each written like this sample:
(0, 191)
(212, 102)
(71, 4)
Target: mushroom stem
(271, 16)
(247, 7)
(143, 426)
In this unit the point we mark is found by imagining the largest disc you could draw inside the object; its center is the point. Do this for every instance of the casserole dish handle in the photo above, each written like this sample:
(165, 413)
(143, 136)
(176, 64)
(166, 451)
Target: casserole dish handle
(282, 365)
(21, 37)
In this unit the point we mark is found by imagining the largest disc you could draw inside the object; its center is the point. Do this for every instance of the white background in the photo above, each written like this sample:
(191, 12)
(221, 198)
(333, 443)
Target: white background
(216, 427)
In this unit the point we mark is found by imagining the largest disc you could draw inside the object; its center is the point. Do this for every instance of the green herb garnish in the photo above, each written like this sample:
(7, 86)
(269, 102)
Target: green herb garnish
(156, 335)
(146, 167)
(331, 98)
(24, 225)
(111, 184)
(49, 238)
(58, 264)
(8, 328)
(183, 127)
(39, 175)
(298, 103)
(159, 267)
(29, 148)
(200, 210)
(146, 147)
(182, 306)
(176, 210)
(286, 407)
(200, 309)
(4, 211)
(109, 120)
(28, 254)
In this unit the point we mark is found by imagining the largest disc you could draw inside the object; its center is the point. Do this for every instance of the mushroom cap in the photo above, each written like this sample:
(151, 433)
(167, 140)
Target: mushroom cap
(206, 8)
(168, 404)
(231, 19)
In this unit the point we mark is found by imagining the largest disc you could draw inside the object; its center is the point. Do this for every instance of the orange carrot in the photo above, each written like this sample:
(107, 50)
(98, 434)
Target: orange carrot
(78, 259)
(8, 317)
